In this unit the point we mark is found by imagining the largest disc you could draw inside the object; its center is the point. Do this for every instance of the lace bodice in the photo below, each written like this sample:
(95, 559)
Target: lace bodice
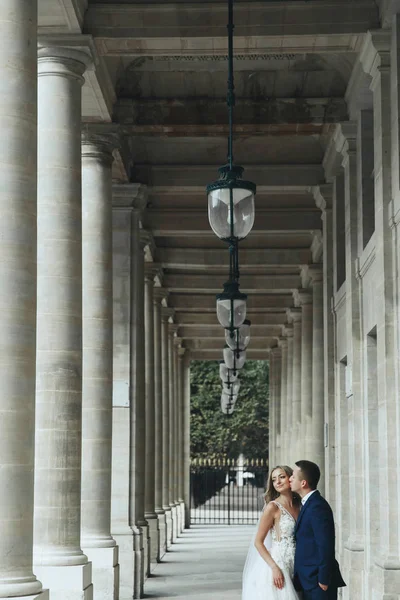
(283, 540)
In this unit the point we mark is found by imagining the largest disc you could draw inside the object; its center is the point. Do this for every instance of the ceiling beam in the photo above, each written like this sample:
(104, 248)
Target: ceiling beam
(269, 175)
(195, 283)
(190, 258)
(205, 320)
(209, 344)
(208, 116)
(216, 354)
(216, 332)
(174, 221)
(205, 302)
(186, 28)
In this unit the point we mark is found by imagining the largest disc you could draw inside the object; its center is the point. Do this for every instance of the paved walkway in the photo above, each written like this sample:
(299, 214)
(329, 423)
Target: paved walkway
(205, 562)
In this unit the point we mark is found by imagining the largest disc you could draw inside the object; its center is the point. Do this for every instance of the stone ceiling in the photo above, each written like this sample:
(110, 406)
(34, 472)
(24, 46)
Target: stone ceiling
(166, 67)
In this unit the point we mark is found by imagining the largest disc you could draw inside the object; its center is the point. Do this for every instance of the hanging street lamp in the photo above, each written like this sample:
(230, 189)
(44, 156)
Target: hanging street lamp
(238, 339)
(227, 375)
(233, 359)
(231, 306)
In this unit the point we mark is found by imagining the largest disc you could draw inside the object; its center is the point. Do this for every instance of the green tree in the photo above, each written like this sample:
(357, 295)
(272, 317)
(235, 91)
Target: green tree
(246, 431)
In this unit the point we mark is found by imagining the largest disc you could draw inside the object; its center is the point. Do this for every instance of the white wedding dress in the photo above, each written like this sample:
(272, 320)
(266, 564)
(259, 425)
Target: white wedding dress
(257, 575)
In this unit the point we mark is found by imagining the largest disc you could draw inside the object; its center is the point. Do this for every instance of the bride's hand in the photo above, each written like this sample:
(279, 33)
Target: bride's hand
(277, 576)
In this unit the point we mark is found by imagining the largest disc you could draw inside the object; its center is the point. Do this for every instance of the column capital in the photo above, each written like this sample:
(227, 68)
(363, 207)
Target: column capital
(345, 138)
(177, 340)
(173, 328)
(167, 312)
(283, 342)
(181, 353)
(152, 270)
(316, 273)
(287, 330)
(130, 196)
(323, 196)
(100, 142)
(317, 246)
(294, 314)
(276, 351)
(302, 297)
(64, 61)
(160, 294)
(375, 52)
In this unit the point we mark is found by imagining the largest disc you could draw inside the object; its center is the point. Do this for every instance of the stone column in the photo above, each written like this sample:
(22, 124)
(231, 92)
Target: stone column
(289, 391)
(295, 316)
(58, 558)
(272, 409)
(376, 60)
(317, 449)
(166, 313)
(138, 413)
(96, 539)
(159, 295)
(304, 299)
(323, 198)
(129, 200)
(181, 429)
(280, 458)
(18, 153)
(177, 348)
(172, 328)
(151, 271)
(275, 377)
(186, 436)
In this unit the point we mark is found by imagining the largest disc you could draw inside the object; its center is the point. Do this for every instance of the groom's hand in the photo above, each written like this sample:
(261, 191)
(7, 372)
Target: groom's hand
(323, 587)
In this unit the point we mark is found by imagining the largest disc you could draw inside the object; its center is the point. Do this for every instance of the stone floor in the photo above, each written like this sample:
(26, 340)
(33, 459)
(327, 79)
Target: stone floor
(206, 562)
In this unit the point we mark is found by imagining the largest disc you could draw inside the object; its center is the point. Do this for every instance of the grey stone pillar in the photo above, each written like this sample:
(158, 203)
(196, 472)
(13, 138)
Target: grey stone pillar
(151, 270)
(275, 378)
(186, 436)
(59, 327)
(138, 412)
(295, 316)
(304, 299)
(288, 332)
(323, 199)
(129, 200)
(177, 348)
(272, 409)
(181, 429)
(96, 539)
(317, 449)
(280, 458)
(172, 328)
(166, 313)
(18, 153)
(376, 59)
(159, 295)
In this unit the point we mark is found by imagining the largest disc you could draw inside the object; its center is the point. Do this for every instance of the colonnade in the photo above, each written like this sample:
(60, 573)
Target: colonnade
(94, 461)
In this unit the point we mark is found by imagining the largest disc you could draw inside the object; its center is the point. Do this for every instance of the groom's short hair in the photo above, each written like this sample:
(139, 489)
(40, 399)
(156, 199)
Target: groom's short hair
(310, 472)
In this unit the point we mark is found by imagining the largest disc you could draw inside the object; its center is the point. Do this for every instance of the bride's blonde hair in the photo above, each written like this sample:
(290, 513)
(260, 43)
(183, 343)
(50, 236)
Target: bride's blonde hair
(271, 493)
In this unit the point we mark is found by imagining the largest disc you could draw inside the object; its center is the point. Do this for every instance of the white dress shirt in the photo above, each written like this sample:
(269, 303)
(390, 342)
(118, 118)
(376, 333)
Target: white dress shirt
(306, 497)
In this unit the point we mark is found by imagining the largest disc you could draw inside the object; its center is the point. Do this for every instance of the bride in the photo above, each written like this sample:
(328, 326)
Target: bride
(268, 571)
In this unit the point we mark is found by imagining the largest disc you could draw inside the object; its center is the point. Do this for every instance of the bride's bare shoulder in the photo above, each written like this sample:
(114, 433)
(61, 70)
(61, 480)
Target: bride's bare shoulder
(270, 508)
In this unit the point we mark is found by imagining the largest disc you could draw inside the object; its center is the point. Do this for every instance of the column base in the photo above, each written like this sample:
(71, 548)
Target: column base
(138, 580)
(169, 526)
(154, 536)
(105, 572)
(162, 528)
(182, 510)
(174, 512)
(126, 559)
(67, 583)
(43, 595)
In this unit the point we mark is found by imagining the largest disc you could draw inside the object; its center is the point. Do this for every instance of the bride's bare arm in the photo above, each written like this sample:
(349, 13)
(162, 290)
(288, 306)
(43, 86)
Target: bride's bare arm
(266, 523)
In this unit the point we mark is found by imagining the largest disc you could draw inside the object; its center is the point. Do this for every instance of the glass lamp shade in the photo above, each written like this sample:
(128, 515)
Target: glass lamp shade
(227, 410)
(231, 306)
(234, 360)
(240, 338)
(227, 376)
(231, 388)
(231, 204)
(228, 399)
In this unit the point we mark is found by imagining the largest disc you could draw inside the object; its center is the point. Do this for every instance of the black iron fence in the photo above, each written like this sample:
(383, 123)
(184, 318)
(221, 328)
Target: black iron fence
(226, 491)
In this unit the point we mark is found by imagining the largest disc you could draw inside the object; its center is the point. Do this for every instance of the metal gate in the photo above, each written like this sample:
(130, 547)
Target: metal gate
(226, 491)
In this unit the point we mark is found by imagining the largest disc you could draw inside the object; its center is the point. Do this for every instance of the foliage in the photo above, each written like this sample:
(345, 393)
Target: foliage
(246, 431)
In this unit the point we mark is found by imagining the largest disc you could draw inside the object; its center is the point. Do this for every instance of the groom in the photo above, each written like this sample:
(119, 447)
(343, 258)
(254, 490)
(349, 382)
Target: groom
(315, 567)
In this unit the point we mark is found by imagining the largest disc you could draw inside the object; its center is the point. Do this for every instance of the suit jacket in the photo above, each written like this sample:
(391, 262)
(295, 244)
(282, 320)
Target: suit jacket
(315, 545)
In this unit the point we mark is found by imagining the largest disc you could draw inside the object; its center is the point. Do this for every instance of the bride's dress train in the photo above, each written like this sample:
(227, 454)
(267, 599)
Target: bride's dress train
(257, 575)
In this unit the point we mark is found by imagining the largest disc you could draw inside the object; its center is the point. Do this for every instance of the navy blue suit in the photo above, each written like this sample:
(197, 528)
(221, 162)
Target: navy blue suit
(314, 560)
